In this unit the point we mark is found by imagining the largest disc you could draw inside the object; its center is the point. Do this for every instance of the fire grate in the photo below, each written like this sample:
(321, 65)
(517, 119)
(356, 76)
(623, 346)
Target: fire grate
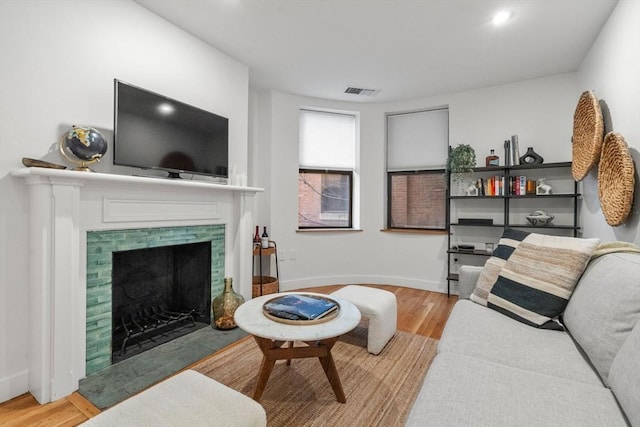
(149, 323)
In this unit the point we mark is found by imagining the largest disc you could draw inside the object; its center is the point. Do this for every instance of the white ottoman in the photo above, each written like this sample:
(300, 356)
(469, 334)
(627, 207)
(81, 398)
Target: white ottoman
(187, 399)
(380, 307)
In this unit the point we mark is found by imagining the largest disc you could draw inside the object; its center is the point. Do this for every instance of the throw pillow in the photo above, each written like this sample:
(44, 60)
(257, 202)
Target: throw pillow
(508, 243)
(538, 278)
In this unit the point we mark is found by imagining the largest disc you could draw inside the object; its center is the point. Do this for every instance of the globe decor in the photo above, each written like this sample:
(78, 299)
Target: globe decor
(83, 146)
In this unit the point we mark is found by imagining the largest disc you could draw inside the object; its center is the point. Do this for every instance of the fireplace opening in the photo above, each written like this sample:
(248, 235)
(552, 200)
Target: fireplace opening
(158, 294)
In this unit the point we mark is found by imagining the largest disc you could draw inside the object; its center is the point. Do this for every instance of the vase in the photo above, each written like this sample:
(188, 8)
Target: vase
(224, 306)
(531, 158)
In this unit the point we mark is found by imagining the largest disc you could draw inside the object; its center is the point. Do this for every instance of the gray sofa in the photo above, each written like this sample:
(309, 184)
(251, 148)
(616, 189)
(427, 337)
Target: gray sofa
(491, 370)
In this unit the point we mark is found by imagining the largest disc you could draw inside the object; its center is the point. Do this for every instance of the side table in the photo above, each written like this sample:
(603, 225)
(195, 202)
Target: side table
(261, 284)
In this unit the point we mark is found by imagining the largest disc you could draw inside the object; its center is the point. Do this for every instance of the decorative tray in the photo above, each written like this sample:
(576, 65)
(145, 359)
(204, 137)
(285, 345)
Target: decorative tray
(301, 309)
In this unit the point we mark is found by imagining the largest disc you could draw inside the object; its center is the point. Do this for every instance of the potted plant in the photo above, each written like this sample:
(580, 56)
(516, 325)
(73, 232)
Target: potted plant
(460, 164)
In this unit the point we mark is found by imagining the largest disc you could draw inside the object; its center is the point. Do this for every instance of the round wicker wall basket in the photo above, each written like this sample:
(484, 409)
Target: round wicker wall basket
(588, 131)
(616, 179)
(270, 285)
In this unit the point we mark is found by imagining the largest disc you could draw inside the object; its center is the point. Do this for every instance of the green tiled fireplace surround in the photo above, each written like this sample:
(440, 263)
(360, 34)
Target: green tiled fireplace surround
(101, 245)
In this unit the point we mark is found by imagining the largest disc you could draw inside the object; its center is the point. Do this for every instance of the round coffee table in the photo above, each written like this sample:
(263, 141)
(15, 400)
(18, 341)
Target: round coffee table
(319, 338)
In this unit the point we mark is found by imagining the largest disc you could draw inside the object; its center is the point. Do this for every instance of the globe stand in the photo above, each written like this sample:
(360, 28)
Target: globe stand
(82, 164)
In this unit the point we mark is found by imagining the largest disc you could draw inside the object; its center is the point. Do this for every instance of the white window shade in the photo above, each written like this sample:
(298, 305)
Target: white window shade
(417, 140)
(327, 140)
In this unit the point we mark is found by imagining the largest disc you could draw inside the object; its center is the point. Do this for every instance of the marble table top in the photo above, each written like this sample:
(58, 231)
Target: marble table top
(250, 318)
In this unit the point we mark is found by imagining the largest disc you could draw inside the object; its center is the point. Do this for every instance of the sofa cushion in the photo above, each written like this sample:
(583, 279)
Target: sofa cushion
(485, 334)
(460, 390)
(624, 376)
(506, 245)
(605, 307)
(537, 281)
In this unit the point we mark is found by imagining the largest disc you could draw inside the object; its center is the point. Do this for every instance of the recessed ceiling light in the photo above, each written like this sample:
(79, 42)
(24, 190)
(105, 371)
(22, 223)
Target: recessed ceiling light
(166, 108)
(501, 17)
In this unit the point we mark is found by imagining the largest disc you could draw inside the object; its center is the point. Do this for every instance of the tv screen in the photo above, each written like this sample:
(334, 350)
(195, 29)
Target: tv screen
(152, 131)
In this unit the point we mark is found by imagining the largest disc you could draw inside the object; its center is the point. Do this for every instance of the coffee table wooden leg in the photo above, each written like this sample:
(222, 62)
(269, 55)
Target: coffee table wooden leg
(330, 370)
(265, 367)
(275, 350)
(290, 346)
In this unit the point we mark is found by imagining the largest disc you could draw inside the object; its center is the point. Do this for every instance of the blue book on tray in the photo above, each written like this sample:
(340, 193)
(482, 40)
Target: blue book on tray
(300, 307)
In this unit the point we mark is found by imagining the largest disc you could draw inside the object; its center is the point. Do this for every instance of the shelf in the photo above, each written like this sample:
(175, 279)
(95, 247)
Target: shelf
(474, 252)
(523, 167)
(558, 227)
(527, 196)
(476, 197)
(540, 166)
(257, 250)
(477, 225)
(546, 196)
(510, 207)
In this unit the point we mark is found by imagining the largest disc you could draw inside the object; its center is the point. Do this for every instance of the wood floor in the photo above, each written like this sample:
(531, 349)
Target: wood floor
(419, 312)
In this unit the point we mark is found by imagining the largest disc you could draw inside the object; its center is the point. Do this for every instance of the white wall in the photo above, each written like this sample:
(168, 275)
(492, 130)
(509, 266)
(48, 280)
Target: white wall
(539, 111)
(612, 70)
(58, 63)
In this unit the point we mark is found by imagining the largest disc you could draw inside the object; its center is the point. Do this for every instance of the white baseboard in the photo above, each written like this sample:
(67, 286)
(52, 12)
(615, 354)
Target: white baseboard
(14, 385)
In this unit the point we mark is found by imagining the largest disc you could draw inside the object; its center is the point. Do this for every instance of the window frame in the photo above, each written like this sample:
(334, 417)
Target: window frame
(344, 172)
(428, 171)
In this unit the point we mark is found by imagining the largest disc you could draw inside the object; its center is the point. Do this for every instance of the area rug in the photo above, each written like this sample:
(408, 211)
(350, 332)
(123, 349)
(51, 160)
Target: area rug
(380, 390)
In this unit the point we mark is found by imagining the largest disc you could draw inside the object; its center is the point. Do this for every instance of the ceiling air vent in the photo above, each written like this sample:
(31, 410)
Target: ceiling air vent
(360, 91)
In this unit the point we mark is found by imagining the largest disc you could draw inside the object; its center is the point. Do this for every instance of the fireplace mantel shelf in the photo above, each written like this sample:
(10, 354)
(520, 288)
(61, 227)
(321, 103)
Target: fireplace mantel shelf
(80, 177)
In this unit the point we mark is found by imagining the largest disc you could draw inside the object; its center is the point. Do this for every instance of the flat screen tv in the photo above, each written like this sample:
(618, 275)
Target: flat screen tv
(152, 131)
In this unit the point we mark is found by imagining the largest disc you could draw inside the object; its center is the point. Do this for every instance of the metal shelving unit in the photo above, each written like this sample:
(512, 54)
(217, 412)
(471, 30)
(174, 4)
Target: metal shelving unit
(507, 204)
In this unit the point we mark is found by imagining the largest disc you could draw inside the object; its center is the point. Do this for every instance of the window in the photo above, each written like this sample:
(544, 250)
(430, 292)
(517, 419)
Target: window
(417, 147)
(326, 172)
(417, 200)
(324, 199)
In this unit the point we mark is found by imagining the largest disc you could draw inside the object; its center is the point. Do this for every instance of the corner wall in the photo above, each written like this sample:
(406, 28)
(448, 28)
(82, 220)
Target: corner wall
(59, 59)
(612, 70)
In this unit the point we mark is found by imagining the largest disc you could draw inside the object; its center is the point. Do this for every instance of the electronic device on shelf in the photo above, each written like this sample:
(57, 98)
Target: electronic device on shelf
(475, 221)
(152, 131)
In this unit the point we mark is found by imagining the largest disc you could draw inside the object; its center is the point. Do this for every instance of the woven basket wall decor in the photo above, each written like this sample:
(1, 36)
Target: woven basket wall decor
(588, 131)
(616, 179)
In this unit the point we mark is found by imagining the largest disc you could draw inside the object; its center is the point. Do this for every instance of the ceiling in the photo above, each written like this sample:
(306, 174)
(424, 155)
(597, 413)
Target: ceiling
(405, 49)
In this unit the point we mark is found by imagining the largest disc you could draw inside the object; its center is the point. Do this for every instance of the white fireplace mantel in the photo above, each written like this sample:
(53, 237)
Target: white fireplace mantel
(63, 206)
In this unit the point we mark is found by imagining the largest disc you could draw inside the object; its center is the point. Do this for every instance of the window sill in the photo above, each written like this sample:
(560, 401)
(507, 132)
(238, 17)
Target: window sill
(414, 231)
(324, 230)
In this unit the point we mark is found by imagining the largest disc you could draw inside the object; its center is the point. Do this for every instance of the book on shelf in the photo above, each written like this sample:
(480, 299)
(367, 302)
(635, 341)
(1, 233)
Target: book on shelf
(495, 186)
(300, 307)
(518, 185)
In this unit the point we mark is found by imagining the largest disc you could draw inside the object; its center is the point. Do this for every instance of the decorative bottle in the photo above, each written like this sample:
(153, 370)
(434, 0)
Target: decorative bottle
(224, 306)
(492, 159)
(265, 238)
(256, 237)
